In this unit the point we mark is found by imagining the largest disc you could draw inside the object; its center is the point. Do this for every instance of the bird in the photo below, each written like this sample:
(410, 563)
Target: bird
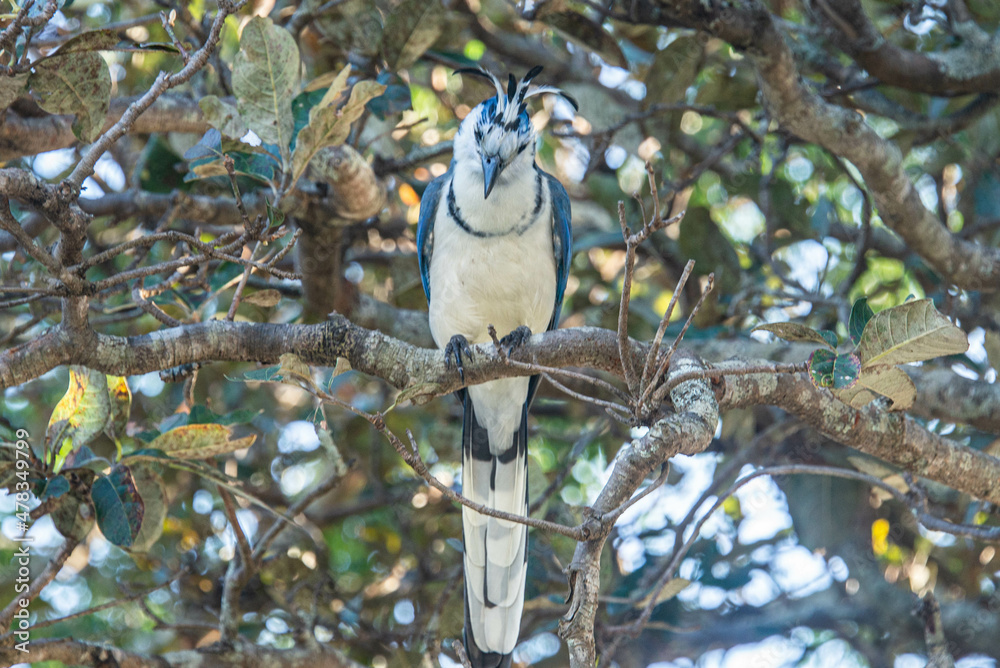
(494, 247)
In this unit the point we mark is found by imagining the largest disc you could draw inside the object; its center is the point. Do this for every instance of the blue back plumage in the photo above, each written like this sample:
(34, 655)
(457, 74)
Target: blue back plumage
(425, 226)
(562, 240)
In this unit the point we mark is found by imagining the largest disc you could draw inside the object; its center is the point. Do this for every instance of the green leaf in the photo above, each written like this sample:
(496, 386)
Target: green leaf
(411, 29)
(329, 126)
(911, 332)
(200, 441)
(80, 415)
(861, 313)
(396, 98)
(78, 84)
(12, 88)
(889, 381)
(837, 372)
(154, 503)
(84, 456)
(55, 488)
(209, 146)
(275, 217)
(793, 331)
(830, 337)
(118, 505)
(265, 75)
(222, 116)
(148, 453)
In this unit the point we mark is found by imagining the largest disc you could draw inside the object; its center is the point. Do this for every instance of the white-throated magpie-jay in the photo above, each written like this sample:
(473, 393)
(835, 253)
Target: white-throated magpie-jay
(494, 248)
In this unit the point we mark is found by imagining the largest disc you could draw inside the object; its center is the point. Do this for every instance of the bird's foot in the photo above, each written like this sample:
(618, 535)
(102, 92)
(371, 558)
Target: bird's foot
(516, 338)
(457, 346)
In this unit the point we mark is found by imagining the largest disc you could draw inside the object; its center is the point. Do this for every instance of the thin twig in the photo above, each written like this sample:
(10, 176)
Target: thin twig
(986, 534)
(163, 83)
(624, 345)
(104, 606)
(41, 581)
(246, 552)
(617, 410)
(654, 348)
(463, 658)
(293, 510)
(238, 295)
(10, 225)
(167, 21)
(139, 297)
(612, 516)
(658, 395)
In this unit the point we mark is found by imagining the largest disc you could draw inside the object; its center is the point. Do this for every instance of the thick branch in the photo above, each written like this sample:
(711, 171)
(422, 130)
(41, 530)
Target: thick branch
(687, 431)
(423, 374)
(892, 437)
(843, 132)
(971, 67)
(244, 655)
(21, 136)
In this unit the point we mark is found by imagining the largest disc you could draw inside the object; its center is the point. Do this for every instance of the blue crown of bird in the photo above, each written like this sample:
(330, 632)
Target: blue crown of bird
(503, 128)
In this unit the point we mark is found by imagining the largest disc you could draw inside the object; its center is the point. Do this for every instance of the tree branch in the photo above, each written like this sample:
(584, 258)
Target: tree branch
(750, 28)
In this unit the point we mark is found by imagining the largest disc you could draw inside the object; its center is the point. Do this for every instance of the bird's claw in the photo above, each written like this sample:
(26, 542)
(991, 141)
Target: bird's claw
(516, 339)
(457, 346)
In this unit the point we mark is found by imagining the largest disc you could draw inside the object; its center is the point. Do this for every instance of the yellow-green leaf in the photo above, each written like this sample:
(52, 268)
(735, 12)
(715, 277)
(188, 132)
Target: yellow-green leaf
(889, 381)
(265, 76)
(80, 415)
(911, 332)
(329, 126)
(154, 502)
(264, 298)
(671, 589)
(222, 116)
(200, 441)
(793, 331)
(295, 368)
(992, 345)
(120, 406)
(12, 88)
(333, 93)
(77, 83)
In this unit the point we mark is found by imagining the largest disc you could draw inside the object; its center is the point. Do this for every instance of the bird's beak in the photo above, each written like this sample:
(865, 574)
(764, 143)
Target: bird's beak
(491, 172)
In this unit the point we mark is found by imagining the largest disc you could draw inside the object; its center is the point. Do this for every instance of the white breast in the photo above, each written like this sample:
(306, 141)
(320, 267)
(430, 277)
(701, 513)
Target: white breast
(507, 280)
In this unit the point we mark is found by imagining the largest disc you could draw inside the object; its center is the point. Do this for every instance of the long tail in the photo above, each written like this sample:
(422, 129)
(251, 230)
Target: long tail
(495, 550)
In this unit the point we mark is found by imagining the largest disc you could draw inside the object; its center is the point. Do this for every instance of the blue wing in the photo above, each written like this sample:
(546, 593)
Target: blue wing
(425, 228)
(562, 241)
